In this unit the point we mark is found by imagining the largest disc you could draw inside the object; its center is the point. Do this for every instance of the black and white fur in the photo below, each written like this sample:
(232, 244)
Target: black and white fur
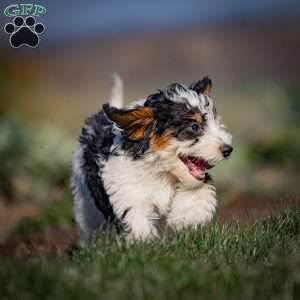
(138, 164)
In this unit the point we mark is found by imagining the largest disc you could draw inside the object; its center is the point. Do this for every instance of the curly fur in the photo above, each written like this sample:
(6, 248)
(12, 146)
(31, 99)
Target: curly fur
(139, 164)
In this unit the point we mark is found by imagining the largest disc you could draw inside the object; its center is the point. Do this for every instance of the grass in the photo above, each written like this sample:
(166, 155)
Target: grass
(259, 261)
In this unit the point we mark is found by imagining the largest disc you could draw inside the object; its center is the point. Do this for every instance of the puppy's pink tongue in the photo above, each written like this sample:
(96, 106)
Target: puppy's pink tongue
(195, 170)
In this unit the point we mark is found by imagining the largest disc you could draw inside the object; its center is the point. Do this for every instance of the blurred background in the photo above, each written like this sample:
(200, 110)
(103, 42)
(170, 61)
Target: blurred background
(249, 48)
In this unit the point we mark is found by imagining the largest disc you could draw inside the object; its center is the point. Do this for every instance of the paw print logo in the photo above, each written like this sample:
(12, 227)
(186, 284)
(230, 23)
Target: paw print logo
(24, 32)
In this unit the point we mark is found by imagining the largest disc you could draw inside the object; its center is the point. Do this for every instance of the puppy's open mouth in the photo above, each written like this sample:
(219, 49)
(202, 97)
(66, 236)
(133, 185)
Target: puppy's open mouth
(196, 166)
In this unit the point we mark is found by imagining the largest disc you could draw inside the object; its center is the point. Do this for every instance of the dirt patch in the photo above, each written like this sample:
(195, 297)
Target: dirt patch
(53, 242)
(12, 214)
(247, 210)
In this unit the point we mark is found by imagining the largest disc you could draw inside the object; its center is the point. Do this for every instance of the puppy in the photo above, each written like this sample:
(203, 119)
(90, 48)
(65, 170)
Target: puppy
(139, 164)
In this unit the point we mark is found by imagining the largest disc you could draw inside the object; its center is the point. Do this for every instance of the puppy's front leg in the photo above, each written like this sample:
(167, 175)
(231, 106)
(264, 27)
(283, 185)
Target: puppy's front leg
(192, 207)
(124, 182)
(135, 210)
(139, 223)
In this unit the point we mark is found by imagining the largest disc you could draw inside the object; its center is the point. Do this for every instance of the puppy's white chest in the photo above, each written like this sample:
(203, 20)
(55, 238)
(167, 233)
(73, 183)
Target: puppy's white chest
(130, 183)
(161, 191)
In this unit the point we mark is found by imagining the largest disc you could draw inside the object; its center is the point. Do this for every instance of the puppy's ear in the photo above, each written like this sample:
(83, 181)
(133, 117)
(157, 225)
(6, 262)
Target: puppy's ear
(203, 86)
(133, 121)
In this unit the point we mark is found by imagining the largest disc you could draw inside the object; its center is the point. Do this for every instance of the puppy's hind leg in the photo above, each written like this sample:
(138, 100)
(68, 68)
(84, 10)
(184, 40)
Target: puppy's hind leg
(87, 216)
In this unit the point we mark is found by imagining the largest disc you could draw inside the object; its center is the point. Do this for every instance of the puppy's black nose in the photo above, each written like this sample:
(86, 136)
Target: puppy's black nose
(226, 150)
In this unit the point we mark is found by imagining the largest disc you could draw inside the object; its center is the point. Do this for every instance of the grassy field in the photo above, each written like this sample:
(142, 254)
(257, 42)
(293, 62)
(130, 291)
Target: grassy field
(257, 261)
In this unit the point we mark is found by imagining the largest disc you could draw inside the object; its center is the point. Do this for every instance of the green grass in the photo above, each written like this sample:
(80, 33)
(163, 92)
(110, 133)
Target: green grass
(259, 261)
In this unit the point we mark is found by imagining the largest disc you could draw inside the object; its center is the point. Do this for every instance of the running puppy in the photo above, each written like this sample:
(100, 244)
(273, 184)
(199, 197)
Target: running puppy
(138, 164)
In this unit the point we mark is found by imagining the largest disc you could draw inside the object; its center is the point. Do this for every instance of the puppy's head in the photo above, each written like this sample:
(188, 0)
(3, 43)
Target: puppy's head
(177, 127)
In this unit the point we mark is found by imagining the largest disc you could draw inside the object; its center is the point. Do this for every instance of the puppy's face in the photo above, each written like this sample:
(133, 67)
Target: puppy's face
(177, 127)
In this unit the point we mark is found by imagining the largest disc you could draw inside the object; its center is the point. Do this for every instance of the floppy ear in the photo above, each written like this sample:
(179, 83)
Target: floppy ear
(203, 86)
(133, 121)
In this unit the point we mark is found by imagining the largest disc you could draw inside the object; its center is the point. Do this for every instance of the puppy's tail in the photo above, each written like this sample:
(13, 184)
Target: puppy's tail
(117, 94)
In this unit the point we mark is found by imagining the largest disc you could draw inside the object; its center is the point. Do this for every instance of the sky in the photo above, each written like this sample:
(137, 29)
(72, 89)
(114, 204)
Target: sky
(71, 19)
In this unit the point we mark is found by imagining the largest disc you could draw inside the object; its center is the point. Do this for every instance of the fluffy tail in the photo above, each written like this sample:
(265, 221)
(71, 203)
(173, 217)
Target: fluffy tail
(116, 96)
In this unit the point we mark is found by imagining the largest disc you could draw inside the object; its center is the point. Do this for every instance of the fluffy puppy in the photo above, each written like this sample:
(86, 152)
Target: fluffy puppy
(136, 165)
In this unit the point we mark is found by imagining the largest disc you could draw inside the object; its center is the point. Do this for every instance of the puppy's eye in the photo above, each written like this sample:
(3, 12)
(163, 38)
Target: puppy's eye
(195, 127)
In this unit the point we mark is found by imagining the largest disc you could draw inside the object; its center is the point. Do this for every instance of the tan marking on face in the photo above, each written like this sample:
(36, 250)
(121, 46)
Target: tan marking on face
(197, 117)
(161, 142)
